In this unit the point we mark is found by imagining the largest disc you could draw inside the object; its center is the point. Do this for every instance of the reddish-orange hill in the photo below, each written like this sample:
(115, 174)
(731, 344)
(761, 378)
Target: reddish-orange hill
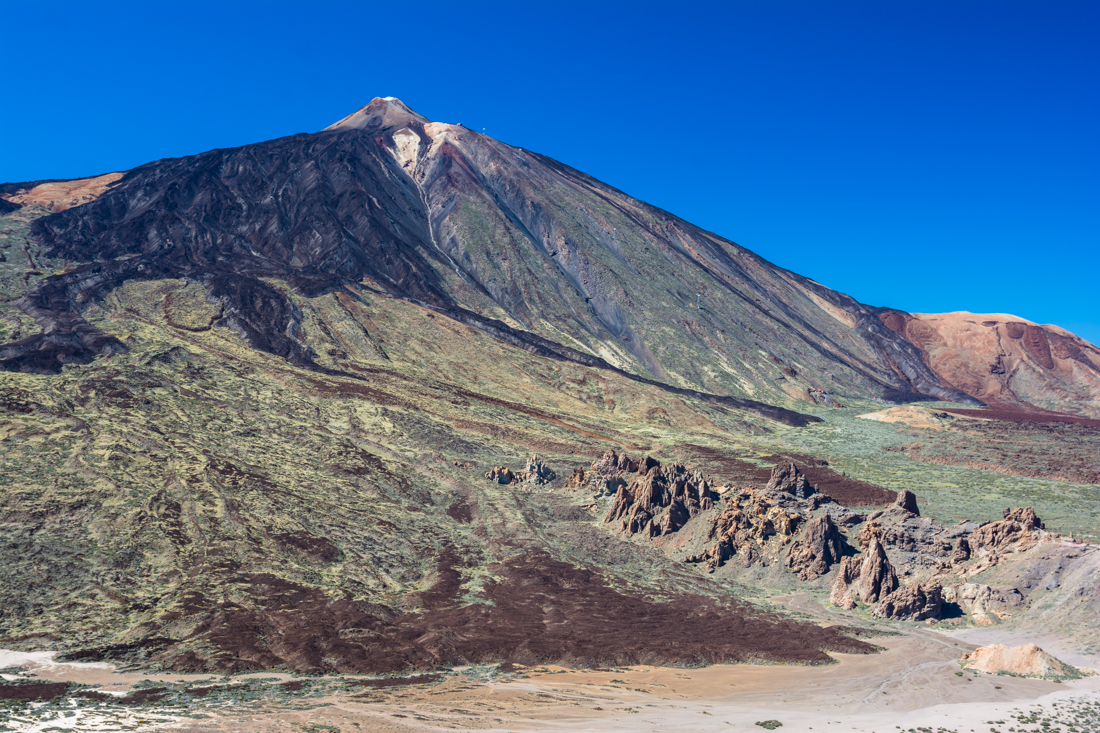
(1004, 360)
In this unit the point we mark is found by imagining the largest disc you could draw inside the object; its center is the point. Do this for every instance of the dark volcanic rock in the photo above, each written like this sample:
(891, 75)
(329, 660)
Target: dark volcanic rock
(540, 611)
(33, 690)
(820, 547)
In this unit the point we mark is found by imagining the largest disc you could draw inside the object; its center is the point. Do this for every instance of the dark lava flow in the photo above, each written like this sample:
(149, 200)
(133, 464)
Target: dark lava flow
(542, 611)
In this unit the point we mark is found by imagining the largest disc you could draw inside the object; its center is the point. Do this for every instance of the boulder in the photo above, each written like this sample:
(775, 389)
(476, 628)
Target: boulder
(821, 546)
(916, 603)
(907, 500)
(787, 478)
(501, 475)
(962, 551)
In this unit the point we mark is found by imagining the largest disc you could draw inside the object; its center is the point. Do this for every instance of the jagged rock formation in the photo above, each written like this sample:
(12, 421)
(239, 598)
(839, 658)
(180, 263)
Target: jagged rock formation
(916, 603)
(660, 501)
(847, 575)
(1024, 516)
(1022, 661)
(867, 579)
(1017, 528)
(877, 577)
(538, 472)
(749, 520)
(819, 548)
(608, 473)
(786, 477)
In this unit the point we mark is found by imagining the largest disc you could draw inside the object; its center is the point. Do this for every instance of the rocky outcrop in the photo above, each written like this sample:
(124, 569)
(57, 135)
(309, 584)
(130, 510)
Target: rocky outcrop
(846, 576)
(611, 464)
(820, 547)
(748, 522)
(501, 475)
(1018, 530)
(1022, 661)
(961, 552)
(1025, 516)
(907, 501)
(876, 575)
(660, 501)
(985, 606)
(609, 472)
(786, 477)
(867, 579)
(916, 603)
(536, 472)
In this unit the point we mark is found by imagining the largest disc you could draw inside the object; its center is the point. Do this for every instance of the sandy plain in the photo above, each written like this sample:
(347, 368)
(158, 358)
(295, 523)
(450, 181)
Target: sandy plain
(913, 683)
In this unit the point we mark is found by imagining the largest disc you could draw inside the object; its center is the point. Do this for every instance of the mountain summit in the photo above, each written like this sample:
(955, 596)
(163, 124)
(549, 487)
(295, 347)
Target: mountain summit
(380, 112)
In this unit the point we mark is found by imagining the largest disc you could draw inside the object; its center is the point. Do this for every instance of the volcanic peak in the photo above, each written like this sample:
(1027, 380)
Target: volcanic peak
(378, 113)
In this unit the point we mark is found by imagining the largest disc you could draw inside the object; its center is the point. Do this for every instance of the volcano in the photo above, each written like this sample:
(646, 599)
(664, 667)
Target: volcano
(507, 240)
(268, 407)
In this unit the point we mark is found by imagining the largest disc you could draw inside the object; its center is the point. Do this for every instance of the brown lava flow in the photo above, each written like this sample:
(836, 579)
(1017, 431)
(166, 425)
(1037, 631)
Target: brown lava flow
(541, 611)
(845, 491)
(33, 691)
(1016, 414)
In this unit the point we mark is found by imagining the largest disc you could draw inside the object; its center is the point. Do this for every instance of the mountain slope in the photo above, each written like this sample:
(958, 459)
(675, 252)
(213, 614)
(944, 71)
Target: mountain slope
(457, 221)
(258, 404)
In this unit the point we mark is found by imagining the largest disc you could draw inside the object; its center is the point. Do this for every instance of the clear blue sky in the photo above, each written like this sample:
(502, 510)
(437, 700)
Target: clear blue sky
(929, 156)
